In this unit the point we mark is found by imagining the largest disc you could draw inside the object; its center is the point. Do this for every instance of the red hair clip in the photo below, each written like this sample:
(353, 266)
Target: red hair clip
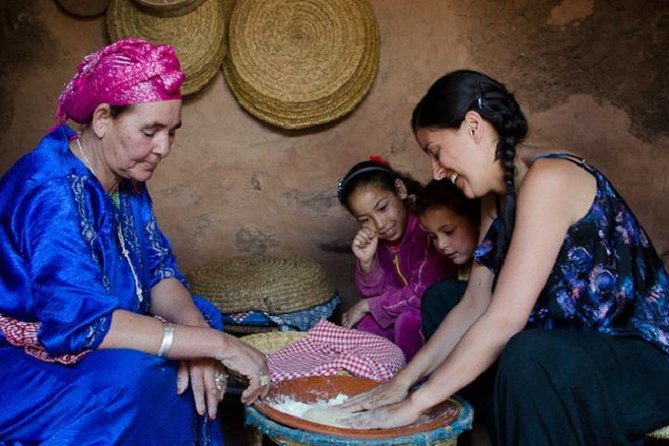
(378, 159)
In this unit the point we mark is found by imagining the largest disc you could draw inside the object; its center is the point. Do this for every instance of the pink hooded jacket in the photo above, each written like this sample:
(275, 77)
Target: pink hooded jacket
(401, 274)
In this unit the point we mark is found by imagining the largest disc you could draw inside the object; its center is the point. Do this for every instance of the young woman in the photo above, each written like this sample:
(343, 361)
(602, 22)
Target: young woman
(395, 260)
(567, 297)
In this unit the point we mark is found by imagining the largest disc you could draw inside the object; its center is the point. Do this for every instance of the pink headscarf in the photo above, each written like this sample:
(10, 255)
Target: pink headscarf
(129, 71)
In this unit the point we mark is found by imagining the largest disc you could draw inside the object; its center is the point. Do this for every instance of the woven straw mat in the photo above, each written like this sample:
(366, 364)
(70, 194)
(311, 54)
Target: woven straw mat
(272, 285)
(88, 8)
(242, 330)
(301, 63)
(271, 342)
(268, 343)
(198, 37)
(167, 8)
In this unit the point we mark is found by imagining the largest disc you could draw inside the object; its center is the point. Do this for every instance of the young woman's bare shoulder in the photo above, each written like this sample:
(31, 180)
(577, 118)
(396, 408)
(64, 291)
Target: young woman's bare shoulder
(563, 183)
(558, 172)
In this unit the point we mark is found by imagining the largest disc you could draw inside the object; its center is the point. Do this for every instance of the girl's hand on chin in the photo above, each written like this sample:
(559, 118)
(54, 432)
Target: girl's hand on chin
(364, 246)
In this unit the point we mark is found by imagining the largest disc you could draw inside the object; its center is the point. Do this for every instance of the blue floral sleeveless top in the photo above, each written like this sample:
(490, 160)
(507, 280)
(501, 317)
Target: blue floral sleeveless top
(607, 277)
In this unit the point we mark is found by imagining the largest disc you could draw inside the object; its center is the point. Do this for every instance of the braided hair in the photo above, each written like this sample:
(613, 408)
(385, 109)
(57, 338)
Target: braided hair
(444, 107)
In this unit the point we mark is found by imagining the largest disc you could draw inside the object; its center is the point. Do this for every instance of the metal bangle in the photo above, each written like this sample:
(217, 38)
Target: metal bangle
(168, 337)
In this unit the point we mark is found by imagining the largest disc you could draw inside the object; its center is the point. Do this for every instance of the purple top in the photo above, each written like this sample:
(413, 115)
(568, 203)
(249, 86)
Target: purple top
(400, 274)
(607, 276)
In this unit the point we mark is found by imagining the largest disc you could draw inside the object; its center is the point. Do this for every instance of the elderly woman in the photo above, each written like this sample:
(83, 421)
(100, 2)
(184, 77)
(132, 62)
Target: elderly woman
(100, 340)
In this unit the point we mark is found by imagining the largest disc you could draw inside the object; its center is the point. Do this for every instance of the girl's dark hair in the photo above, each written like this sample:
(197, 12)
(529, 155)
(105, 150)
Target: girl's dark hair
(444, 194)
(376, 173)
(445, 105)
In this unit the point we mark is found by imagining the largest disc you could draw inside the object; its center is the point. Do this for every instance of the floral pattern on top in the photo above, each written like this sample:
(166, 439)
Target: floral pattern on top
(607, 277)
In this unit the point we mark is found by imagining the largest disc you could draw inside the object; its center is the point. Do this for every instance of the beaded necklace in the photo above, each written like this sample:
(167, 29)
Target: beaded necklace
(126, 254)
(117, 202)
(87, 162)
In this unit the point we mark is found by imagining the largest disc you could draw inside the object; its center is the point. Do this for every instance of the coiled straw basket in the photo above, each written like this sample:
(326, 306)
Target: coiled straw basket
(198, 37)
(300, 63)
(269, 284)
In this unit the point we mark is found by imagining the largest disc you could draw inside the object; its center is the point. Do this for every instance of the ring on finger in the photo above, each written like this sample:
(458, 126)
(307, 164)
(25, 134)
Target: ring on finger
(264, 380)
(221, 381)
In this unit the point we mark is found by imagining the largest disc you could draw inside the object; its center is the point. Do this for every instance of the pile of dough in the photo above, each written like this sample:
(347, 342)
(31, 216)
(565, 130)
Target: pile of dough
(320, 412)
(327, 415)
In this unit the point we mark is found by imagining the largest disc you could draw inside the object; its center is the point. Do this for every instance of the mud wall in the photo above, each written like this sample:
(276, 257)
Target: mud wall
(592, 76)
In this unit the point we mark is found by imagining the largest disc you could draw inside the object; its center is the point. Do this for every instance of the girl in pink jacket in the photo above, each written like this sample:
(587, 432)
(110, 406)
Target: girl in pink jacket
(396, 262)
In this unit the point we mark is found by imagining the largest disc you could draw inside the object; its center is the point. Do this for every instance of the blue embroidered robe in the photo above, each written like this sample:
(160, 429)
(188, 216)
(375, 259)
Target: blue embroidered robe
(61, 265)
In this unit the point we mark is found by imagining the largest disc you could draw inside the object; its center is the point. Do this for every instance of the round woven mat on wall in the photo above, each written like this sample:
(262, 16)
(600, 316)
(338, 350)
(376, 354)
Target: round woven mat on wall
(272, 285)
(198, 37)
(168, 8)
(301, 63)
(84, 8)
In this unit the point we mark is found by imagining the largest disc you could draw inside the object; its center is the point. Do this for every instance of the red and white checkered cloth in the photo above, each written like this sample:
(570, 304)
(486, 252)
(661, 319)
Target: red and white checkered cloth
(329, 348)
(24, 334)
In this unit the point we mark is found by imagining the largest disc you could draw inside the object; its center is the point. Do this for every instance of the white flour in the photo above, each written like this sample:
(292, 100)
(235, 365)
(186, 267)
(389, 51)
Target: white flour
(319, 411)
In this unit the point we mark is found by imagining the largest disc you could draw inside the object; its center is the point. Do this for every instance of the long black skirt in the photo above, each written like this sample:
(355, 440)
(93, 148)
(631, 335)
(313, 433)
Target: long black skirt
(562, 387)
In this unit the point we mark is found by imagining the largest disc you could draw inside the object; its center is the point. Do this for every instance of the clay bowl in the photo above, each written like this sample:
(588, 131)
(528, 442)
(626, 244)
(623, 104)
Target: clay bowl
(312, 389)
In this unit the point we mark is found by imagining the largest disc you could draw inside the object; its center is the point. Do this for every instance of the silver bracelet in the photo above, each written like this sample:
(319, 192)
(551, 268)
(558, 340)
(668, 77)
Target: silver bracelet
(168, 337)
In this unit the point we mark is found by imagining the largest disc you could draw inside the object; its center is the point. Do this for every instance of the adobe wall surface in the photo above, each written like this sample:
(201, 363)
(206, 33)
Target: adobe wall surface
(592, 77)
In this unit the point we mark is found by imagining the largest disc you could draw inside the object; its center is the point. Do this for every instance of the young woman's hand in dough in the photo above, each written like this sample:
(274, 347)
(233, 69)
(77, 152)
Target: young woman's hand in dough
(384, 394)
(385, 417)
